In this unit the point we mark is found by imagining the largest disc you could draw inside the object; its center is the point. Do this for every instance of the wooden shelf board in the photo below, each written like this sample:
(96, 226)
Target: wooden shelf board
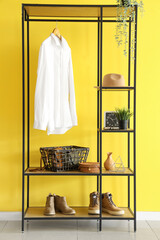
(45, 172)
(127, 171)
(57, 11)
(127, 88)
(127, 214)
(76, 173)
(37, 212)
(117, 130)
(81, 212)
(92, 11)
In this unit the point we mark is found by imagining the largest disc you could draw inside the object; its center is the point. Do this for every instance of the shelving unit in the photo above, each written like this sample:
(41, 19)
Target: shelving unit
(98, 14)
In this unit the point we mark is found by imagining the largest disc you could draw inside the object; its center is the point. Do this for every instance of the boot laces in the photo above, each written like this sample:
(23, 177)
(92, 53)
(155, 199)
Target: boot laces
(110, 200)
(95, 199)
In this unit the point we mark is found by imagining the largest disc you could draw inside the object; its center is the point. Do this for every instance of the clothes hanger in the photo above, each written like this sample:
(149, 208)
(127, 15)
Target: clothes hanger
(56, 32)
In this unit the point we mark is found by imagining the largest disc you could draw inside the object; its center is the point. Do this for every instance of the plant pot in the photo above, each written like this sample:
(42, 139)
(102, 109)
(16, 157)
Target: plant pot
(125, 2)
(123, 124)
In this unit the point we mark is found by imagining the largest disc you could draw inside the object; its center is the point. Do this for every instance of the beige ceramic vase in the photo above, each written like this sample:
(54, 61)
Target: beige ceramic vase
(109, 163)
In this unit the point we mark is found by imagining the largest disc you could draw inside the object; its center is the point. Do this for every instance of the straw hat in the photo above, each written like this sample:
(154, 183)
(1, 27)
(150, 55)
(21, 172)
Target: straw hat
(113, 80)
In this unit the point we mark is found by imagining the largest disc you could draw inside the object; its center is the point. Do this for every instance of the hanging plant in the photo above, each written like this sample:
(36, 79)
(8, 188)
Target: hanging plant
(126, 10)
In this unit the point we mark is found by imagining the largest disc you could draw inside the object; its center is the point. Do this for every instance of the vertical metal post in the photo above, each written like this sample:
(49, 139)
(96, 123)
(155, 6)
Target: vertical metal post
(135, 69)
(98, 104)
(101, 35)
(28, 110)
(129, 80)
(23, 118)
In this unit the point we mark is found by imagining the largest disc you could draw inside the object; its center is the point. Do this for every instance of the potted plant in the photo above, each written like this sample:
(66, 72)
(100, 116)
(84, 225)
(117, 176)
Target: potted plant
(125, 11)
(123, 115)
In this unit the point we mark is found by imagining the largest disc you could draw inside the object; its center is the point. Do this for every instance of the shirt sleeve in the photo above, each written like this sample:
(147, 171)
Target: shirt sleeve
(40, 103)
(72, 93)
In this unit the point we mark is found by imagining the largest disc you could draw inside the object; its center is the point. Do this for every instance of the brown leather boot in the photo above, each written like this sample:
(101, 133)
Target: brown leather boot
(49, 208)
(108, 205)
(94, 203)
(61, 205)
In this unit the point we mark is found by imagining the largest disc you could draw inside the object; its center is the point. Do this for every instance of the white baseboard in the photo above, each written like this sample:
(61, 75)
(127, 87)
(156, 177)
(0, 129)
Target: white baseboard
(15, 216)
(10, 216)
(152, 216)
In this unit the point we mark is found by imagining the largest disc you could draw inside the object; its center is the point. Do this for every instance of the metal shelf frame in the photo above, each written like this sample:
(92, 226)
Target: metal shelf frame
(99, 20)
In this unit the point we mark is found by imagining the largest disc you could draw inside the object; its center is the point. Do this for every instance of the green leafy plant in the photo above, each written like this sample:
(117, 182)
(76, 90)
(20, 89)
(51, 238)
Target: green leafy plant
(123, 114)
(125, 11)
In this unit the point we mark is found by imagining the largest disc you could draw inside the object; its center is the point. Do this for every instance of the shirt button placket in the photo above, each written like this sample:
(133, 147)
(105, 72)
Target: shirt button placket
(60, 84)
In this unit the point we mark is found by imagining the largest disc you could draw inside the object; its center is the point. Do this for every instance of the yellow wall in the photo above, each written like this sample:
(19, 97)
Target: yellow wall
(82, 40)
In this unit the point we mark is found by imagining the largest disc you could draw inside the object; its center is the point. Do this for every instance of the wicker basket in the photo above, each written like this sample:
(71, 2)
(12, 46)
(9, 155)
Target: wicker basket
(65, 158)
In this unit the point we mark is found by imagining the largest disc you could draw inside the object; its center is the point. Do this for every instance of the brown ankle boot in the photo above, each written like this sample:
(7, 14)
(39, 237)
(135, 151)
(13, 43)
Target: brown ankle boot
(61, 205)
(49, 208)
(94, 203)
(108, 205)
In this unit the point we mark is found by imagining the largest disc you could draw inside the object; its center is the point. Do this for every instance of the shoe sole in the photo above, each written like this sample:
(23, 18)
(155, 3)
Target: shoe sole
(65, 213)
(49, 214)
(68, 213)
(116, 213)
(93, 212)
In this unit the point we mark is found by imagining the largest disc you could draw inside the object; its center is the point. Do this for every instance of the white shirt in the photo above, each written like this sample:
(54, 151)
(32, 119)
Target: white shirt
(55, 107)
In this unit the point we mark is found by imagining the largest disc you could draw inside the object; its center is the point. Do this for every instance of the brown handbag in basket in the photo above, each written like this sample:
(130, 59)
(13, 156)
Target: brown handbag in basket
(89, 167)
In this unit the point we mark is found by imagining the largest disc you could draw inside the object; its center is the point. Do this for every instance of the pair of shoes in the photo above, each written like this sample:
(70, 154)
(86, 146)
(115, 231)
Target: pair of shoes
(108, 205)
(55, 203)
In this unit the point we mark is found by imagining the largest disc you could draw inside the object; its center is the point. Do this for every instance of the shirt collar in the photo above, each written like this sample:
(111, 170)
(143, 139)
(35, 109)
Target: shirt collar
(57, 40)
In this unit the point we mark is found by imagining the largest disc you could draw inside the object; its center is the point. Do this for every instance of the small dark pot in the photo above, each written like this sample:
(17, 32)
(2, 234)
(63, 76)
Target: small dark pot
(127, 1)
(123, 124)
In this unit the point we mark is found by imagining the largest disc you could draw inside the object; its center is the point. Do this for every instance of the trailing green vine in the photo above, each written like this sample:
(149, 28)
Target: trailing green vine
(125, 11)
